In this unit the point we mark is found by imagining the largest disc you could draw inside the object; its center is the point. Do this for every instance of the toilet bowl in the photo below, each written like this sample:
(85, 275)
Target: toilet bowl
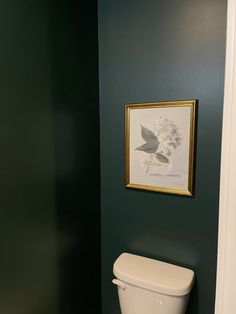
(147, 286)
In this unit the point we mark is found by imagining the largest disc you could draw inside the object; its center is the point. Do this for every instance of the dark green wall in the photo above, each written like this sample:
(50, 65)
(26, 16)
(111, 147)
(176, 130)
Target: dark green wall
(49, 228)
(149, 51)
(76, 118)
(28, 244)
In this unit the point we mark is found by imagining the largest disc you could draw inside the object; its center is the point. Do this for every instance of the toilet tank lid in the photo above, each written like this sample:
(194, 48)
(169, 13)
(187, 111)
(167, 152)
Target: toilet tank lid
(153, 275)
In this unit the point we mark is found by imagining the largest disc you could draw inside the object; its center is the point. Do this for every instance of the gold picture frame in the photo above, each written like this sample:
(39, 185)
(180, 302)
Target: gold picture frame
(160, 145)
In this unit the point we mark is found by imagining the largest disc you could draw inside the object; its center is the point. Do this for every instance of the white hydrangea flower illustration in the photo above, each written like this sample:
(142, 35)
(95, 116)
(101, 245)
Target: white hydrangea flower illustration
(160, 143)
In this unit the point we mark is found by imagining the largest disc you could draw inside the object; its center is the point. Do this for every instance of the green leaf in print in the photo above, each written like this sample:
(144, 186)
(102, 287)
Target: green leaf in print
(161, 158)
(147, 134)
(149, 147)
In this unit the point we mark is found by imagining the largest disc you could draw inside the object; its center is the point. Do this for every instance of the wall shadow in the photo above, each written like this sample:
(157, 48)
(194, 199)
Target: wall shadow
(76, 131)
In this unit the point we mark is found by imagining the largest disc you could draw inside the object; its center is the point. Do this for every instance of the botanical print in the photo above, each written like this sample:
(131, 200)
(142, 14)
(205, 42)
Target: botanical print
(159, 147)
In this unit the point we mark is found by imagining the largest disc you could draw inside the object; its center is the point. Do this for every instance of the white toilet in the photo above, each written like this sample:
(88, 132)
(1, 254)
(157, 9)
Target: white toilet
(148, 286)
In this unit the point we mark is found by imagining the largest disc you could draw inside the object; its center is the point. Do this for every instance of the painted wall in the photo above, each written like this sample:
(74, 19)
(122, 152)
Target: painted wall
(149, 51)
(49, 228)
(76, 122)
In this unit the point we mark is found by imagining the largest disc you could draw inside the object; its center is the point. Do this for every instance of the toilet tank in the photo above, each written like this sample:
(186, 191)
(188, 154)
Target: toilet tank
(147, 286)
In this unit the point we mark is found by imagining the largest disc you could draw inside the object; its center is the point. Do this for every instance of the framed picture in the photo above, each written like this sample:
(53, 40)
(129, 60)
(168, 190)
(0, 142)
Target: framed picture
(159, 146)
